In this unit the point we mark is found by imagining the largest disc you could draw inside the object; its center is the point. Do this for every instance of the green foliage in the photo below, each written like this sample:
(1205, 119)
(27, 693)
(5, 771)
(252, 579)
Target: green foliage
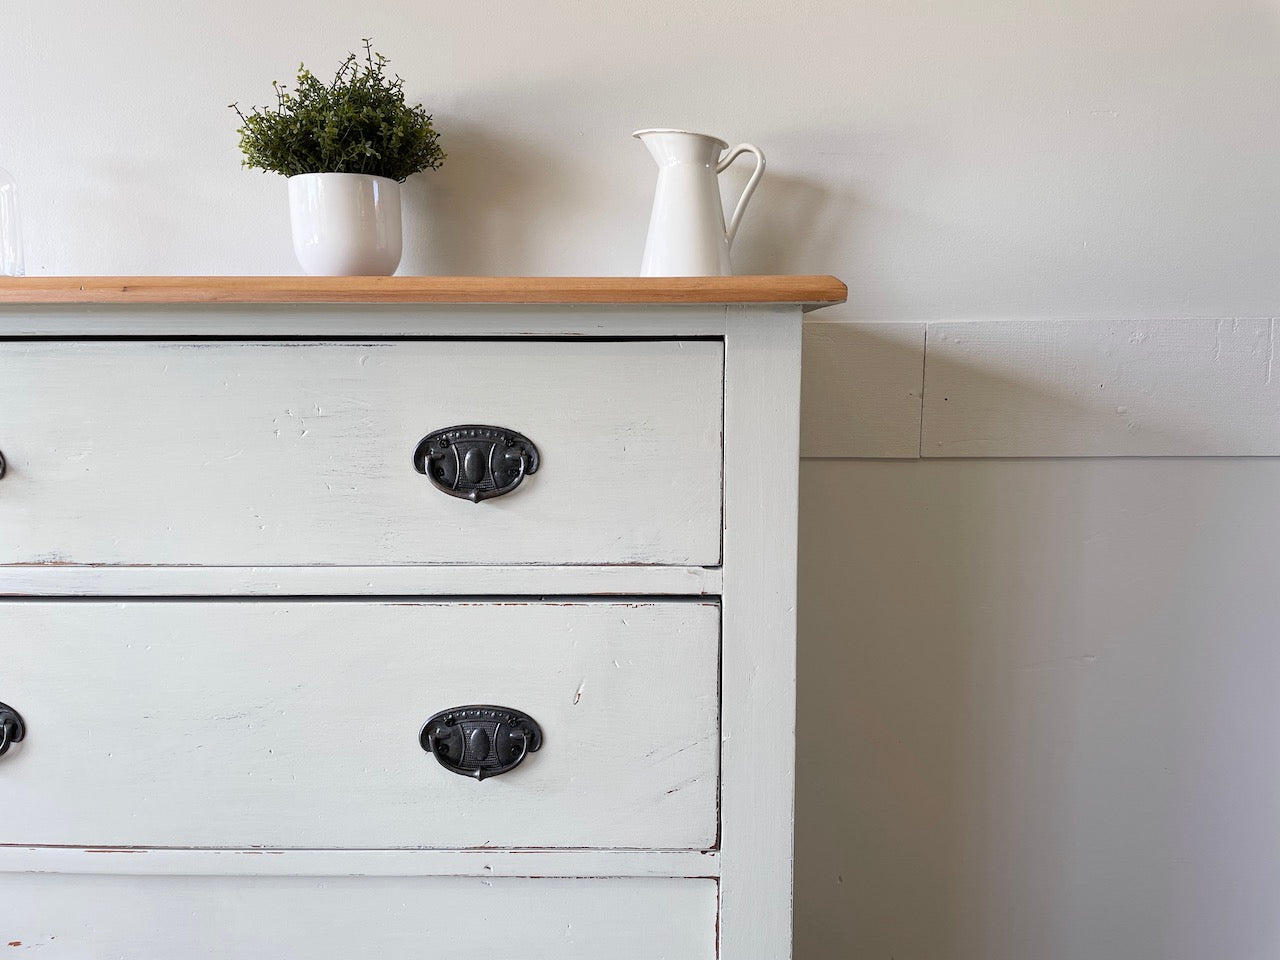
(359, 123)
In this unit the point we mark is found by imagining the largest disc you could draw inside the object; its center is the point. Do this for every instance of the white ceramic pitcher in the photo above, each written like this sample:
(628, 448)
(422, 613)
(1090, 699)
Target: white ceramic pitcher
(687, 232)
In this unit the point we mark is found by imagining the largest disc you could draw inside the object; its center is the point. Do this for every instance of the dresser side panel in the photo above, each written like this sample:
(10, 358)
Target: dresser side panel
(762, 391)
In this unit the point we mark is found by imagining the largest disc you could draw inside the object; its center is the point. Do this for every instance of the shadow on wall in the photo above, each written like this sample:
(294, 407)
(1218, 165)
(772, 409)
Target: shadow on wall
(792, 224)
(860, 389)
(1037, 708)
(481, 212)
(475, 214)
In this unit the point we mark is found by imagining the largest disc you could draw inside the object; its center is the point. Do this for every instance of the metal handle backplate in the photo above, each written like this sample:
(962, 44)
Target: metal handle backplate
(474, 461)
(12, 728)
(480, 740)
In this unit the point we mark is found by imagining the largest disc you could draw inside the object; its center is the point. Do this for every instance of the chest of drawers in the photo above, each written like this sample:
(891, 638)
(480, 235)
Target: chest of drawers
(280, 559)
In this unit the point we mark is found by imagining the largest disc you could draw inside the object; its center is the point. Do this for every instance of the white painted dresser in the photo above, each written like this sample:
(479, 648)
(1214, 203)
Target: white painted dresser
(286, 563)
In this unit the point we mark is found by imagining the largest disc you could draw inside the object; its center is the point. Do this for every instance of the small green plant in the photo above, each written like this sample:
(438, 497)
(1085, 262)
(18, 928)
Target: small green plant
(359, 123)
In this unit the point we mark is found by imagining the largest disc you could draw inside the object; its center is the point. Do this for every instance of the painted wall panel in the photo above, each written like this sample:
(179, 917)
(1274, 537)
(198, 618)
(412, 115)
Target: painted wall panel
(1094, 388)
(1083, 388)
(1038, 710)
(860, 395)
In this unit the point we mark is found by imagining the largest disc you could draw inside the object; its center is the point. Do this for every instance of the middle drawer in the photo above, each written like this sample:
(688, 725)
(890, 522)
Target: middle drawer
(296, 723)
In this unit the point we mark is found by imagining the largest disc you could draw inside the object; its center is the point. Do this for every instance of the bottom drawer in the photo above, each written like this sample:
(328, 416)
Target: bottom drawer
(297, 918)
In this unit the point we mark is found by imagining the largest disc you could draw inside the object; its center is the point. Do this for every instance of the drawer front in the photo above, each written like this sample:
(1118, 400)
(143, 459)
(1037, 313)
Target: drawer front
(296, 723)
(461, 918)
(301, 452)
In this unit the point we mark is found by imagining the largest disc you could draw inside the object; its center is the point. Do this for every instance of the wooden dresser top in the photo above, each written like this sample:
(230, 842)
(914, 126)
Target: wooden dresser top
(810, 291)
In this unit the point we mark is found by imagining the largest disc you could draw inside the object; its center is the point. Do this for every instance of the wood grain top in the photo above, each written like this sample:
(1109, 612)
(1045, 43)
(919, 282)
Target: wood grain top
(810, 291)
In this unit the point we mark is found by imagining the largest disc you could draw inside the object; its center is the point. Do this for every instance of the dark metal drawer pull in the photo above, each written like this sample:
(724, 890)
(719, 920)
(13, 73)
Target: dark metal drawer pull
(474, 461)
(2, 465)
(12, 728)
(479, 740)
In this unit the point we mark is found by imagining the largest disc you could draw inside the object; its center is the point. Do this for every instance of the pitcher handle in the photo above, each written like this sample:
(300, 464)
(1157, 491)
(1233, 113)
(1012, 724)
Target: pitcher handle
(723, 165)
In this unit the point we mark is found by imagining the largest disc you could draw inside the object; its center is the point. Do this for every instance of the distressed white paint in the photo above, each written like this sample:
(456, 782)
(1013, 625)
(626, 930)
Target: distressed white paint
(295, 724)
(762, 386)
(212, 918)
(299, 452)
(862, 386)
(58, 581)
(1092, 388)
(273, 738)
(257, 862)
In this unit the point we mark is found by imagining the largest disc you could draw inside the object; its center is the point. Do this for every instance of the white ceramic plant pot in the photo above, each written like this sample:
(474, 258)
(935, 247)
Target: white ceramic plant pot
(345, 224)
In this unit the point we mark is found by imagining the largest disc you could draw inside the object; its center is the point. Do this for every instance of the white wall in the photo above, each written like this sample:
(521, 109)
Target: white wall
(974, 158)
(1037, 695)
(1038, 710)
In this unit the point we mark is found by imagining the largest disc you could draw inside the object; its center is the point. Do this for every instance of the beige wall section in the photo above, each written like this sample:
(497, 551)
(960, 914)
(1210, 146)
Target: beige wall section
(1038, 710)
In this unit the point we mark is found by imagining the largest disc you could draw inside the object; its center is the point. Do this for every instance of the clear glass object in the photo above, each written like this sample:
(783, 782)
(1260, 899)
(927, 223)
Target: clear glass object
(11, 264)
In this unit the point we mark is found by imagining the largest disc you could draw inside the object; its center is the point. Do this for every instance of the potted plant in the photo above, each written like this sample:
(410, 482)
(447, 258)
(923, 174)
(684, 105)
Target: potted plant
(346, 146)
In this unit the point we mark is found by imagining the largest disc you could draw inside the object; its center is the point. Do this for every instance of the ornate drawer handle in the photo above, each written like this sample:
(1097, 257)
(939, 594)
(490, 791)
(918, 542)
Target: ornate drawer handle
(479, 740)
(474, 461)
(12, 728)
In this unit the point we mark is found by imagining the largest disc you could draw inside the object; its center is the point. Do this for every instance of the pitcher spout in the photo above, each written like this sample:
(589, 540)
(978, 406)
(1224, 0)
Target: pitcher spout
(675, 146)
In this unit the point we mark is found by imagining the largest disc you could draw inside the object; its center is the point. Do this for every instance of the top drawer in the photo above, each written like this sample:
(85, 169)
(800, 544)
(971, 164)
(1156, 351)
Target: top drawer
(291, 453)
